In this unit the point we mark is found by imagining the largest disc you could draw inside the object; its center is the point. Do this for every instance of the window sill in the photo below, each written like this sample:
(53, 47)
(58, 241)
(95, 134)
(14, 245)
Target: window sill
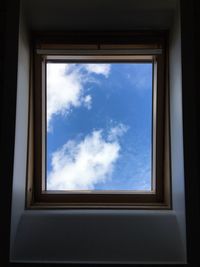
(107, 237)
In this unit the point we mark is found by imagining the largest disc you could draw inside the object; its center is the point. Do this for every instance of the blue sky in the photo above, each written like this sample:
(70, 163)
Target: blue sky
(99, 119)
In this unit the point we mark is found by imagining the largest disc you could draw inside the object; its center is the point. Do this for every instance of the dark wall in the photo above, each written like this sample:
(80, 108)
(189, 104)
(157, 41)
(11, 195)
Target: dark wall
(2, 40)
(191, 102)
(8, 84)
(9, 20)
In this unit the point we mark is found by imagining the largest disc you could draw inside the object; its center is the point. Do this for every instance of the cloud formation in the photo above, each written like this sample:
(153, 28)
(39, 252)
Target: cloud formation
(88, 101)
(117, 131)
(80, 165)
(103, 69)
(65, 86)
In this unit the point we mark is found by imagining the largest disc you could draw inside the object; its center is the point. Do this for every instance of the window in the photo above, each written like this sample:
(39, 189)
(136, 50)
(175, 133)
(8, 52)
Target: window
(98, 126)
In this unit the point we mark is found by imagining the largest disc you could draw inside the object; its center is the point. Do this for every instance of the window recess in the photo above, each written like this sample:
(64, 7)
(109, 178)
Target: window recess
(99, 121)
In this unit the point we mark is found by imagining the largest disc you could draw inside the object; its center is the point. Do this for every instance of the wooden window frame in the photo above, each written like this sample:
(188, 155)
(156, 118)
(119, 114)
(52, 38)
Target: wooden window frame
(90, 46)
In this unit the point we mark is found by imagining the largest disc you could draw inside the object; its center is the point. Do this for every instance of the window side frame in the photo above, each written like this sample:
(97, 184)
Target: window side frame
(36, 197)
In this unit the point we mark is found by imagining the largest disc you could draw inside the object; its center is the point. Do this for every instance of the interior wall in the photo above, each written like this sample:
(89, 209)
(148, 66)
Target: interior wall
(190, 21)
(8, 63)
(98, 237)
(104, 15)
(176, 124)
(20, 150)
(107, 236)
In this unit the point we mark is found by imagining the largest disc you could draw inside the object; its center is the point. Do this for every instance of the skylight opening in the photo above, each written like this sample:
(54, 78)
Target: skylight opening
(99, 135)
(99, 122)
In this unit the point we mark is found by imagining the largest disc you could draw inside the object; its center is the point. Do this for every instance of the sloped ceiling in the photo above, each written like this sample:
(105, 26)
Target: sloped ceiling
(99, 14)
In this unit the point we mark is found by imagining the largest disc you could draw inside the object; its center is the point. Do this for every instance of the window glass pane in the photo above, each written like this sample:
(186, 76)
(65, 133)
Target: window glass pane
(99, 126)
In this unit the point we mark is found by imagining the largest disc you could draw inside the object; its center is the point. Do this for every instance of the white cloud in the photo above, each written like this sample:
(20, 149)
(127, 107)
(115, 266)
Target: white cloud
(80, 165)
(65, 87)
(103, 69)
(88, 101)
(117, 132)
